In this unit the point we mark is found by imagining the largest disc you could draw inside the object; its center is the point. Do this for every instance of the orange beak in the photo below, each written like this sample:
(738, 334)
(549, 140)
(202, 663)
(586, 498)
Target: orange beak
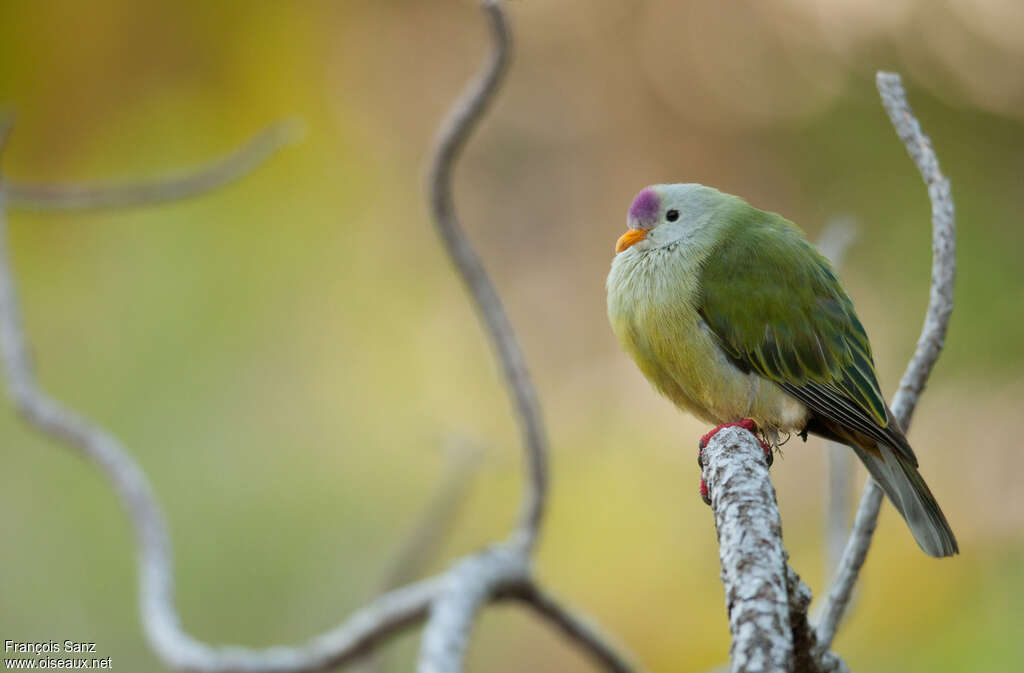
(630, 238)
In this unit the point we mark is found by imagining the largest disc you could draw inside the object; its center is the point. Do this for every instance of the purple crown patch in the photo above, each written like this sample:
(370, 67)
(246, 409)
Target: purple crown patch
(645, 206)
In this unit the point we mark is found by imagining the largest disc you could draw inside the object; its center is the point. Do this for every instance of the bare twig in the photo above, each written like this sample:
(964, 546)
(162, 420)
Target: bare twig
(840, 496)
(162, 626)
(452, 600)
(929, 346)
(96, 196)
(940, 301)
(854, 555)
(751, 551)
(838, 235)
(475, 580)
(597, 645)
(461, 121)
(471, 583)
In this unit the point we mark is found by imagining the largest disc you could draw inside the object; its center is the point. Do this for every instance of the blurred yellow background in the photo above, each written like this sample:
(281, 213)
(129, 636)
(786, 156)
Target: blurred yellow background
(287, 356)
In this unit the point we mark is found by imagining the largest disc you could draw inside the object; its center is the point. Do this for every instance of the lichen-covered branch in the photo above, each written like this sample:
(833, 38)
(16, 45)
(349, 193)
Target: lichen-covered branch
(807, 656)
(751, 551)
(462, 119)
(929, 346)
(120, 195)
(766, 601)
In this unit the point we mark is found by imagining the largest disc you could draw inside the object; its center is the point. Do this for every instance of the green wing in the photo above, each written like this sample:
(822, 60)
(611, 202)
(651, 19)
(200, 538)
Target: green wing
(779, 310)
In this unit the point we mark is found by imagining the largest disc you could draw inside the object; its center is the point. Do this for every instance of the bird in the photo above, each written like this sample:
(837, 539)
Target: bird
(733, 315)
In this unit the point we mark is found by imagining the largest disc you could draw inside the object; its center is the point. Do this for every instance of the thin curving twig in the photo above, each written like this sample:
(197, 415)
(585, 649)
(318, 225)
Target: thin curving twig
(103, 195)
(587, 636)
(160, 619)
(461, 121)
(475, 580)
(452, 600)
(929, 346)
(505, 568)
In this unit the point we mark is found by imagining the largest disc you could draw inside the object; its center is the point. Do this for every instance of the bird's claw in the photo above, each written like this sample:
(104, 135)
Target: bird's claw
(748, 425)
(705, 494)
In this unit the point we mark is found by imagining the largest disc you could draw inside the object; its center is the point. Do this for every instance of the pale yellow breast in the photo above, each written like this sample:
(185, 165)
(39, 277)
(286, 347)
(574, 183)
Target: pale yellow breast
(652, 308)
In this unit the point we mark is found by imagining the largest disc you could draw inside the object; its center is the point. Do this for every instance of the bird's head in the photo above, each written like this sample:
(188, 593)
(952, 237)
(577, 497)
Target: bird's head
(665, 214)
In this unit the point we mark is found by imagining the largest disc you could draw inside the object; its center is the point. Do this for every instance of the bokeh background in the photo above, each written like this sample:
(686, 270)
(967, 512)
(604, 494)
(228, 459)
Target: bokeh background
(289, 356)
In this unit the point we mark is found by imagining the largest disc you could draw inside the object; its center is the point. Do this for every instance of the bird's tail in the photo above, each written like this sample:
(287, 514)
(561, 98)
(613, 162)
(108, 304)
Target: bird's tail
(905, 487)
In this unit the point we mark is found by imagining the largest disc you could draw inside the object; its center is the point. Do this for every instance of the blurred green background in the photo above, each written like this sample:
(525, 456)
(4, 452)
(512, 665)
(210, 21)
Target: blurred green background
(286, 357)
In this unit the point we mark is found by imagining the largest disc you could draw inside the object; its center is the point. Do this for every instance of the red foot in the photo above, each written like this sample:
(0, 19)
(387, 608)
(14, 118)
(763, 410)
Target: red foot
(746, 424)
(705, 494)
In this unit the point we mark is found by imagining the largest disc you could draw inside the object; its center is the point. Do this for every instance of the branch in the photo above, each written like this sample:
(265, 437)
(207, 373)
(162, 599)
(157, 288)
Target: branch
(461, 121)
(453, 600)
(213, 175)
(808, 656)
(499, 573)
(160, 619)
(854, 555)
(467, 586)
(474, 581)
(940, 300)
(840, 495)
(929, 346)
(597, 645)
(766, 601)
(750, 548)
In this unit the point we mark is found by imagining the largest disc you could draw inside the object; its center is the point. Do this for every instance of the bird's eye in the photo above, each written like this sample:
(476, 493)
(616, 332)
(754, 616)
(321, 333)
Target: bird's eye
(672, 215)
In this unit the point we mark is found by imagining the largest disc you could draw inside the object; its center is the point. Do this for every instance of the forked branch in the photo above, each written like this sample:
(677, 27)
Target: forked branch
(160, 620)
(455, 131)
(453, 600)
